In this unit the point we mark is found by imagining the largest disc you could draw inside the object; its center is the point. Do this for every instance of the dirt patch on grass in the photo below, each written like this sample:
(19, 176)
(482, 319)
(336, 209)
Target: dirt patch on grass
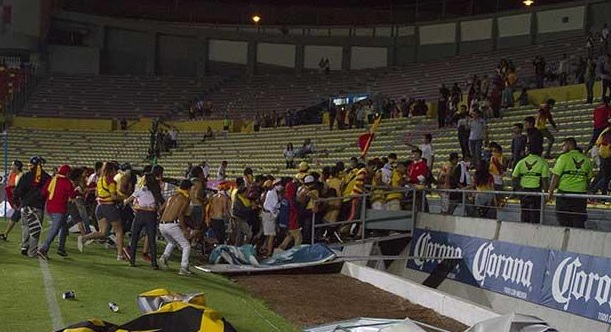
(313, 299)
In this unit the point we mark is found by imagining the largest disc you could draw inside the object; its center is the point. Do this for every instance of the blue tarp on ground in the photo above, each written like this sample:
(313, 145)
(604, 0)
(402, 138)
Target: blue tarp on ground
(245, 255)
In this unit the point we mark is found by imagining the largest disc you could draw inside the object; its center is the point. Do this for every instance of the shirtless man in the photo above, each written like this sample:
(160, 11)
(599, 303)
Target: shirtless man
(219, 213)
(173, 228)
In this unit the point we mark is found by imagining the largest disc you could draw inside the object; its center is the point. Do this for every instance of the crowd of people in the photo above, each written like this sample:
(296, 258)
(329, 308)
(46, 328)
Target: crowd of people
(201, 210)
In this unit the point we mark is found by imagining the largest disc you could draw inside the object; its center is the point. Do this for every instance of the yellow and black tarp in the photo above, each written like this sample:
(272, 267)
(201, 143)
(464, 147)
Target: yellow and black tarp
(93, 325)
(187, 313)
(156, 298)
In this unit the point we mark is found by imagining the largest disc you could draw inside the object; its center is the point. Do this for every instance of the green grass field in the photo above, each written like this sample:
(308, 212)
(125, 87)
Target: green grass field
(97, 278)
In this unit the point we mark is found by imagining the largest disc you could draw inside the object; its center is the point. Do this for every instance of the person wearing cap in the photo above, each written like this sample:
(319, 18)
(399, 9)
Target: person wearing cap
(544, 115)
(600, 119)
(571, 175)
(107, 212)
(306, 195)
(12, 181)
(303, 170)
(58, 191)
(173, 228)
(531, 174)
(29, 193)
(269, 214)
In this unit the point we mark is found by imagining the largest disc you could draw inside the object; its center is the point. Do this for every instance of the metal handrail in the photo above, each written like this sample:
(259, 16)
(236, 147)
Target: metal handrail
(385, 190)
(363, 213)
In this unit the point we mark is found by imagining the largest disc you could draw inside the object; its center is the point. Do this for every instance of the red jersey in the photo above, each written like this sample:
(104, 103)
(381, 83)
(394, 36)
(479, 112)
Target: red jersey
(601, 116)
(417, 169)
(58, 190)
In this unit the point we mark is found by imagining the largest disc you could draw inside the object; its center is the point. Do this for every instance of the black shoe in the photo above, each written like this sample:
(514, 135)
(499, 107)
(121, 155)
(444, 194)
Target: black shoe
(24, 251)
(155, 267)
(132, 264)
(62, 253)
(3, 237)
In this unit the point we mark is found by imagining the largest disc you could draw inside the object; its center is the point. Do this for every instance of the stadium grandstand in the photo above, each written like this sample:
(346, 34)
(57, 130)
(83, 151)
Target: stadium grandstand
(454, 153)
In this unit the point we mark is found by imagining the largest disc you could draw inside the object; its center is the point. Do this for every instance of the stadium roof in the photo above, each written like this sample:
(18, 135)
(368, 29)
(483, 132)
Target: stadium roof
(298, 12)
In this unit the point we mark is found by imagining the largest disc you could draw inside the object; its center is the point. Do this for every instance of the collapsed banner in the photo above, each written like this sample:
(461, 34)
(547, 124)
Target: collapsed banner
(575, 283)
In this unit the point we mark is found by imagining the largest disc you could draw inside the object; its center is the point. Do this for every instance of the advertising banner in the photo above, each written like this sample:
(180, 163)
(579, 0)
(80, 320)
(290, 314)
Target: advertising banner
(579, 284)
(574, 283)
(501, 267)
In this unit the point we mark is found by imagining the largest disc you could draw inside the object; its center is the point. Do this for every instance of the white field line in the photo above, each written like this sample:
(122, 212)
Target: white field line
(54, 312)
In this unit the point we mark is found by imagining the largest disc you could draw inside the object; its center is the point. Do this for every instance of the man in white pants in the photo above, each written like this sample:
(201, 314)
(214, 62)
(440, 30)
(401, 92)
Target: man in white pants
(173, 228)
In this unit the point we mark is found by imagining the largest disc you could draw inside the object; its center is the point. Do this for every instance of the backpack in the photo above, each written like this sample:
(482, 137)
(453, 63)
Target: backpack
(604, 144)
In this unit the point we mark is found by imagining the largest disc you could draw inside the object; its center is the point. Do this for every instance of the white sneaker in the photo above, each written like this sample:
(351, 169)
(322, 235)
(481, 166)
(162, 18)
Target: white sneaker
(90, 241)
(120, 258)
(79, 243)
(184, 272)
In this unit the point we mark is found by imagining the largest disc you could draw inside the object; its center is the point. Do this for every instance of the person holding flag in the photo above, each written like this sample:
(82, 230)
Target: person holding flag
(365, 140)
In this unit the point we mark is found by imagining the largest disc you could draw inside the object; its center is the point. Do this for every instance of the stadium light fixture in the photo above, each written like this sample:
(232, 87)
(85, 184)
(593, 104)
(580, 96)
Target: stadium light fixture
(528, 3)
(256, 19)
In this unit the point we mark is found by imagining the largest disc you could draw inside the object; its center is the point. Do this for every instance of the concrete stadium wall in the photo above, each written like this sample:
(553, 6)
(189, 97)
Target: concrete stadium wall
(148, 47)
(128, 52)
(177, 55)
(74, 60)
(476, 46)
(559, 238)
(66, 124)
(598, 14)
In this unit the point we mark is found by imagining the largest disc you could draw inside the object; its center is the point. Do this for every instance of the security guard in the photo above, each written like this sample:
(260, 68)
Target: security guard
(571, 175)
(531, 174)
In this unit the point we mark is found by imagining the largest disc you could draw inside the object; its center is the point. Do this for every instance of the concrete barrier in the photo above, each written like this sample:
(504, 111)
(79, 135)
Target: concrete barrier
(550, 237)
(447, 305)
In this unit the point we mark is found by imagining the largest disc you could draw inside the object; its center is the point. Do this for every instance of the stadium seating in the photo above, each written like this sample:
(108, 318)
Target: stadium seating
(421, 80)
(77, 148)
(114, 96)
(131, 97)
(13, 78)
(263, 151)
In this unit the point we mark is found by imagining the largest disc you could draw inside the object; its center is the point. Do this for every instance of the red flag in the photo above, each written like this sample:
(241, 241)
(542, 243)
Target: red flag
(366, 139)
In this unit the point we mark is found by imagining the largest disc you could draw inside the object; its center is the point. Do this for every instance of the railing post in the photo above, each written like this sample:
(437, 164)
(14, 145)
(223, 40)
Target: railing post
(464, 203)
(422, 203)
(363, 215)
(313, 226)
(542, 210)
(414, 208)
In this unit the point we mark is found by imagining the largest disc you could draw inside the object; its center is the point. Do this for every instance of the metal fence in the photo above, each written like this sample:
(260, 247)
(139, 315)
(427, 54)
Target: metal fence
(512, 206)
(365, 220)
